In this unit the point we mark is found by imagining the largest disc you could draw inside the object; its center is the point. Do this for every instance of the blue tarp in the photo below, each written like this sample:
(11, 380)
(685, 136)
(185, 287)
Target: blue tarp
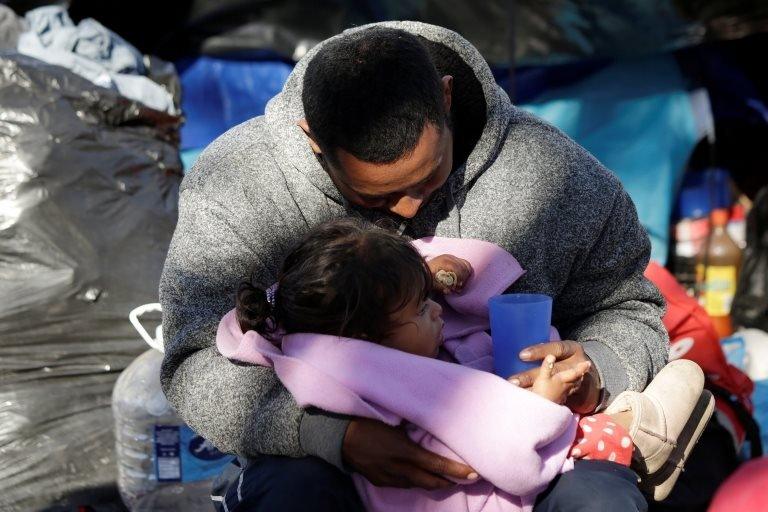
(218, 94)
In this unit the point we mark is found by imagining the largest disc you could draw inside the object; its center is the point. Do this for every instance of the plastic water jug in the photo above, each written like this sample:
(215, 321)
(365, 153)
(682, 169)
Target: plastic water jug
(162, 464)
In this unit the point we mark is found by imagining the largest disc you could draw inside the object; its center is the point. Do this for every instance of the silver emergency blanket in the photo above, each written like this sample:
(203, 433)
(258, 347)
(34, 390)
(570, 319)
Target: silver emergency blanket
(88, 202)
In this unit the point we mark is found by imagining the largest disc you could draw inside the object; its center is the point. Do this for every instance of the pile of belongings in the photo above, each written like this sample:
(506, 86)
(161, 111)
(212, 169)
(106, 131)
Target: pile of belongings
(89, 181)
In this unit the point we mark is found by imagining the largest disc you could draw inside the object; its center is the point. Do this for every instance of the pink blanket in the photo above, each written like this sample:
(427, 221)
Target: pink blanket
(516, 441)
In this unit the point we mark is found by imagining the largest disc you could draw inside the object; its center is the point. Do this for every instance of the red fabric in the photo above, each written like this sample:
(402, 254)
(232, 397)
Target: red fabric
(599, 438)
(692, 336)
(745, 490)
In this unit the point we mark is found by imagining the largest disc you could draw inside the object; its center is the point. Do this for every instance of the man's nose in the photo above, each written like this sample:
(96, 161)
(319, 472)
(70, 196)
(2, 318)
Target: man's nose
(407, 206)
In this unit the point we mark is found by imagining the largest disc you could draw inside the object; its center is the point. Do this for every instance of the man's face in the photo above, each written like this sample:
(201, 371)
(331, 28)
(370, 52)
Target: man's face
(400, 187)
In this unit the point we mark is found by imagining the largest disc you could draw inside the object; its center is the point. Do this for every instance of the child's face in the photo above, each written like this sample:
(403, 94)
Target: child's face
(420, 328)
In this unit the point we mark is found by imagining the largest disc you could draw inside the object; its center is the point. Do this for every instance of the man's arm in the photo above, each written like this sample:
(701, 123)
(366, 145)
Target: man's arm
(241, 409)
(611, 308)
(608, 307)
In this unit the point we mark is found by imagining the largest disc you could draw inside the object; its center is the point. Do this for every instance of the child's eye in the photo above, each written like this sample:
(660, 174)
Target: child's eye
(423, 309)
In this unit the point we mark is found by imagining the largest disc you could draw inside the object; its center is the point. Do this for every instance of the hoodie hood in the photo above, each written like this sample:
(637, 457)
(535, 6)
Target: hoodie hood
(285, 109)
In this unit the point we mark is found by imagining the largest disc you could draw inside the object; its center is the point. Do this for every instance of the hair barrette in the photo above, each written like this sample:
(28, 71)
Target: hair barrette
(271, 294)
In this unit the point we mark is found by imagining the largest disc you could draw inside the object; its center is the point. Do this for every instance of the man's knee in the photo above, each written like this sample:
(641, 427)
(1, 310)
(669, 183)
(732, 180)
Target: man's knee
(595, 486)
(286, 484)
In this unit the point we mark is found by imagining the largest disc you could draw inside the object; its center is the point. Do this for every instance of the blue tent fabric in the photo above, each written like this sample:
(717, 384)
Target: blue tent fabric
(638, 119)
(220, 93)
(531, 81)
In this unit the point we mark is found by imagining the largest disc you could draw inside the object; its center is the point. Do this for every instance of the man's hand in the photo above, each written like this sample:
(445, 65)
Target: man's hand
(449, 273)
(388, 458)
(568, 354)
(557, 387)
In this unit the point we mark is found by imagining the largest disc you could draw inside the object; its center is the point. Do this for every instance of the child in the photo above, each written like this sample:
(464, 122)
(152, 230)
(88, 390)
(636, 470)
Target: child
(350, 280)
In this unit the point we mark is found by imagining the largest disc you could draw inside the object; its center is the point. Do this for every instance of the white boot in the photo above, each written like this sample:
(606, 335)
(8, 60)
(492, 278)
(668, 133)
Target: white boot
(668, 419)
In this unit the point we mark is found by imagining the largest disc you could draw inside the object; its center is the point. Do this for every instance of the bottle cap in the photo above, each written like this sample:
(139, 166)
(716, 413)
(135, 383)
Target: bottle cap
(720, 217)
(737, 212)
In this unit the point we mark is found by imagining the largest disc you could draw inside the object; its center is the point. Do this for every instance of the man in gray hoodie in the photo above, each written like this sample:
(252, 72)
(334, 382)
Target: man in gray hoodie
(402, 121)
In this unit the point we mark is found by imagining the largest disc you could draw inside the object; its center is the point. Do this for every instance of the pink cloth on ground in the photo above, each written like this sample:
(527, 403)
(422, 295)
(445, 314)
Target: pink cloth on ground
(516, 441)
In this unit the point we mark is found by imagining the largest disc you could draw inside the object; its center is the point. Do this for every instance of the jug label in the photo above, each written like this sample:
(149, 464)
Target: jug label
(183, 456)
(200, 460)
(167, 453)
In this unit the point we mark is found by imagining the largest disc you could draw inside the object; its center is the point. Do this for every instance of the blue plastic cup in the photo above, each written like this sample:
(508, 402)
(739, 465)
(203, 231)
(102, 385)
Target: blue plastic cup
(518, 320)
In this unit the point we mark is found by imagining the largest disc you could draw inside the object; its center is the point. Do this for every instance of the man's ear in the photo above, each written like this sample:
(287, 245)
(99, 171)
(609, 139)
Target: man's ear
(302, 123)
(447, 91)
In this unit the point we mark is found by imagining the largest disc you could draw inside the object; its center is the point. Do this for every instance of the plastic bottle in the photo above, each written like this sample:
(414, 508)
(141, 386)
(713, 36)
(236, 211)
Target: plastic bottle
(690, 237)
(162, 464)
(717, 273)
(701, 192)
(737, 225)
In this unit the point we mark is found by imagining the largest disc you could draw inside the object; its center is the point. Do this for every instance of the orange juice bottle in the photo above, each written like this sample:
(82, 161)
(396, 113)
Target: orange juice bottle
(717, 271)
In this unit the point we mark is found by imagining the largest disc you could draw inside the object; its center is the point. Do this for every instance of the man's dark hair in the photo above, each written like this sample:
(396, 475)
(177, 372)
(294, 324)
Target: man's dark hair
(371, 93)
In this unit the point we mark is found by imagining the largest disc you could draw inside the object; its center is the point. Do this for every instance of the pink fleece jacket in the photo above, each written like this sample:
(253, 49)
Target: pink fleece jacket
(516, 441)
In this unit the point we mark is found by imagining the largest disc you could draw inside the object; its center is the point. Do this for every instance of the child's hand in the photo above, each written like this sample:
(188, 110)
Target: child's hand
(449, 273)
(557, 387)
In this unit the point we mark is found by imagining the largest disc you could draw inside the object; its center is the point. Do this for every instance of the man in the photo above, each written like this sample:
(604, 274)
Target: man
(402, 121)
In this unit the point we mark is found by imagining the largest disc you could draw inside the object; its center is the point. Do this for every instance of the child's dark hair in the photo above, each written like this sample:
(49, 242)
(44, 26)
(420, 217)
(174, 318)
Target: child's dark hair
(346, 278)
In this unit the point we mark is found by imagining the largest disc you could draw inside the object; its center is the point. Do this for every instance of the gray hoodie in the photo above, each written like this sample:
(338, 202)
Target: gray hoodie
(521, 184)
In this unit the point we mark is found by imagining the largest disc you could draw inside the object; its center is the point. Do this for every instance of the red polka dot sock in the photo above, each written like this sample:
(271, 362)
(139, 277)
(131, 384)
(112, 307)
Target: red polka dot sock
(600, 438)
